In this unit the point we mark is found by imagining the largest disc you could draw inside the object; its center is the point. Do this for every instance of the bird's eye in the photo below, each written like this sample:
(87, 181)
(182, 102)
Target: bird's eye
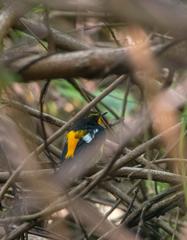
(96, 130)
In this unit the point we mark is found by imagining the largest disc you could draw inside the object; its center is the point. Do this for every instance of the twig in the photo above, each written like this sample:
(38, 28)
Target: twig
(33, 34)
(41, 101)
(56, 151)
(166, 160)
(109, 109)
(142, 160)
(124, 106)
(109, 187)
(62, 40)
(113, 34)
(89, 96)
(176, 224)
(130, 206)
(77, 218)
(33, 112)
(105, 217)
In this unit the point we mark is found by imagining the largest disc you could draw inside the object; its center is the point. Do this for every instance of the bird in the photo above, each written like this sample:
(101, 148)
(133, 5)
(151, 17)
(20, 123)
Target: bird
(83, 147)
(87, 131)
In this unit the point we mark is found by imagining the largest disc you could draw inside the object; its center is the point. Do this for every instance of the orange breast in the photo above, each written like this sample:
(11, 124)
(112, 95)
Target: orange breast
(73, 138)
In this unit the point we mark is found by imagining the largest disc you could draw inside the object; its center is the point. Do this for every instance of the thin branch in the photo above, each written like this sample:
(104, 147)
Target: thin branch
(115, 191)
(125, 99)
(38, 140)
(105, 217)
(131, 205)
(166, 160)
(89, 96)
(34, 112)
(62, 40)
(41, 101)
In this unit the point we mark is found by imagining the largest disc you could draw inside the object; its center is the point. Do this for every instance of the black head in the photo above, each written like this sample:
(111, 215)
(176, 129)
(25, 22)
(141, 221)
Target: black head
(92, 120)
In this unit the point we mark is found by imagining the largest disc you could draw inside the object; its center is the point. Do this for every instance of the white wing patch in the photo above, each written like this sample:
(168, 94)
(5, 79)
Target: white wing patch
(87, 138)
(90, 136)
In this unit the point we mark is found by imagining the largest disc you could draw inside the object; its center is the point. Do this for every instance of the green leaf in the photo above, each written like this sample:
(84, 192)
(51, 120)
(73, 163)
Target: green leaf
(7, 77)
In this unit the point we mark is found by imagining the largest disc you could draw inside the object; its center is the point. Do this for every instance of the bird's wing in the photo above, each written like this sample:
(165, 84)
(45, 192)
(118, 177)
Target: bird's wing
(86, 156)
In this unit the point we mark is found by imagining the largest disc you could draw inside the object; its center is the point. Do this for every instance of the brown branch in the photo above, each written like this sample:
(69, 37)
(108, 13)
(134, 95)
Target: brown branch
(126, 172)
(38, 140)
(89, 96)
(61, 40)
(147, 163)
(117, 192)
(18, 231)
(141, 149)
(114, 206)
(12, 11)
(34, 112)
(155, 175)
(166, 160)
(156, 210)
(78, 13)
(89, 63)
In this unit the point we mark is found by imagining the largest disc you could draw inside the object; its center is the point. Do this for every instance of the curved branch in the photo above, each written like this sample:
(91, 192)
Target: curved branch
(9, 14)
